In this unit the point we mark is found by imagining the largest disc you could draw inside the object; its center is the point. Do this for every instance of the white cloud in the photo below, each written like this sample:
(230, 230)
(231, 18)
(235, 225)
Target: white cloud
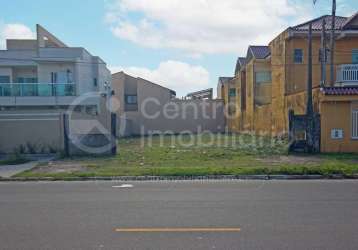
(203, 26)
(179, 76)
(14, 31)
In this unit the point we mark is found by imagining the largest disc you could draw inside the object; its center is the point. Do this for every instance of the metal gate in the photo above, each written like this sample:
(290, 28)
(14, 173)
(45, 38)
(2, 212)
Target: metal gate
(304, 133)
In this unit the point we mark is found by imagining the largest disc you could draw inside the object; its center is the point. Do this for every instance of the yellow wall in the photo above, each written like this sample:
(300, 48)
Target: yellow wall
(262, 119)
(297, 73)
(234, 120)
(288, 88)
(278, 61)
(337, 114)
(289, 80)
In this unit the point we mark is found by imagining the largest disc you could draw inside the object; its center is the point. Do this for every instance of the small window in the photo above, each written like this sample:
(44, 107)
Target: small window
(355, 56)
(263, 77)
(131, 99)
(95, 83)
(355, 124)
(298, 56)
(232, 92)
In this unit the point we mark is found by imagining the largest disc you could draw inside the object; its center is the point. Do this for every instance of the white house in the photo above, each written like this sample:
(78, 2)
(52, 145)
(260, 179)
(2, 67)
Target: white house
(43, 78)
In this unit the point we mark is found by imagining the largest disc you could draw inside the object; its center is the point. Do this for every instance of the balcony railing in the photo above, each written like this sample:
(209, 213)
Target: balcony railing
(37, 89)
(347, 74)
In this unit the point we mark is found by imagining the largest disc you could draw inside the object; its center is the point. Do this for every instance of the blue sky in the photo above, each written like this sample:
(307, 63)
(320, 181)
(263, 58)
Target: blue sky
(185, 45)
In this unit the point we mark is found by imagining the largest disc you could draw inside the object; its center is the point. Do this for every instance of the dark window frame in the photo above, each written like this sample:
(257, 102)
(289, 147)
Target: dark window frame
(130, 102)
(232, 92)
(298, 56)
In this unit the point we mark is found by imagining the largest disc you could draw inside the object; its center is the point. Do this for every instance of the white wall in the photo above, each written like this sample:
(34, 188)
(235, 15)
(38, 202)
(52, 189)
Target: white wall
(45, 69)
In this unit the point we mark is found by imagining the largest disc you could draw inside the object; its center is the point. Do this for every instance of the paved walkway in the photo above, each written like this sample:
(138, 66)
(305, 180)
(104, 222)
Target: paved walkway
(7, 171)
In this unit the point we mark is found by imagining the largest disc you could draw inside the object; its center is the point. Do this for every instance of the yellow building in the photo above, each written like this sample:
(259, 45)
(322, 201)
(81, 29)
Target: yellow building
(273, 79)
(226, 90)
(248, 94)
(289, 57)
(339, 119)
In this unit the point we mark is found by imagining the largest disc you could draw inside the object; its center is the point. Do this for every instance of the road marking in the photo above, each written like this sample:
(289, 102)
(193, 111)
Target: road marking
(175, 230)
(123, 186)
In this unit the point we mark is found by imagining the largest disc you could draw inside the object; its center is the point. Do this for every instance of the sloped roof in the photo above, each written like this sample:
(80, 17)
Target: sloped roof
(340, 90)
(258, 52)
(317, 23)
(350, 20)
(241, 61)
(225, 80)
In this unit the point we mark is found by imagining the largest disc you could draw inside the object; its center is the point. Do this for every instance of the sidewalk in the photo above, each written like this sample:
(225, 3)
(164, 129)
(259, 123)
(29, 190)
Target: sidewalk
(7, 171)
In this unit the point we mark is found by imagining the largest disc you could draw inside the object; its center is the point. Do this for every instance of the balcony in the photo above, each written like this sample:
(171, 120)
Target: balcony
(347, 74)
(36, 94)
(37, 89)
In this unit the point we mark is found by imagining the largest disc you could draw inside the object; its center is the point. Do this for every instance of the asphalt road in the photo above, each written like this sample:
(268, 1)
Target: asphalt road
(180, 215)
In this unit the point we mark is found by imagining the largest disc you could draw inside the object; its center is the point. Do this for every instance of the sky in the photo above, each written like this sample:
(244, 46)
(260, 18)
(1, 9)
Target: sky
(184, 45)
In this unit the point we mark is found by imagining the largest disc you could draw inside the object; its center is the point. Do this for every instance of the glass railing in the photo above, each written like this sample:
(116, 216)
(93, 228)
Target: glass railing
(37, 89)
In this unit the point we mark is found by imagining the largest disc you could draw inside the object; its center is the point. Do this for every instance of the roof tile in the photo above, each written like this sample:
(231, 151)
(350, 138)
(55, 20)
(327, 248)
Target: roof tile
(317, 23)
(340, 90)
(260, 52)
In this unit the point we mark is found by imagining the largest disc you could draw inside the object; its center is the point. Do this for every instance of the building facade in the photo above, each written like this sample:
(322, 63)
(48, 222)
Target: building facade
(146, 108)
(269, 88)
(46, 78)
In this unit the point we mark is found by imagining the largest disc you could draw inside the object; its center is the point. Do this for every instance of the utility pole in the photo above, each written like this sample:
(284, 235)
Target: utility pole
(309, 108)
(333, 26)
(310, 125)
(323, 54)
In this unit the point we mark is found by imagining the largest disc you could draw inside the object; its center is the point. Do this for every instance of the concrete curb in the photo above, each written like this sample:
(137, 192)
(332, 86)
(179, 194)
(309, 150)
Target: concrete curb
(185, 178)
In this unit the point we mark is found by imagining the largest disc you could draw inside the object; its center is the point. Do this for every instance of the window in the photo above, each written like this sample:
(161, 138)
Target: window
(95, 82)
(355, 124)
(355, 56)
(298, 56)
(131, 99)
(263, 77)
(232, 92)
(4, 79)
